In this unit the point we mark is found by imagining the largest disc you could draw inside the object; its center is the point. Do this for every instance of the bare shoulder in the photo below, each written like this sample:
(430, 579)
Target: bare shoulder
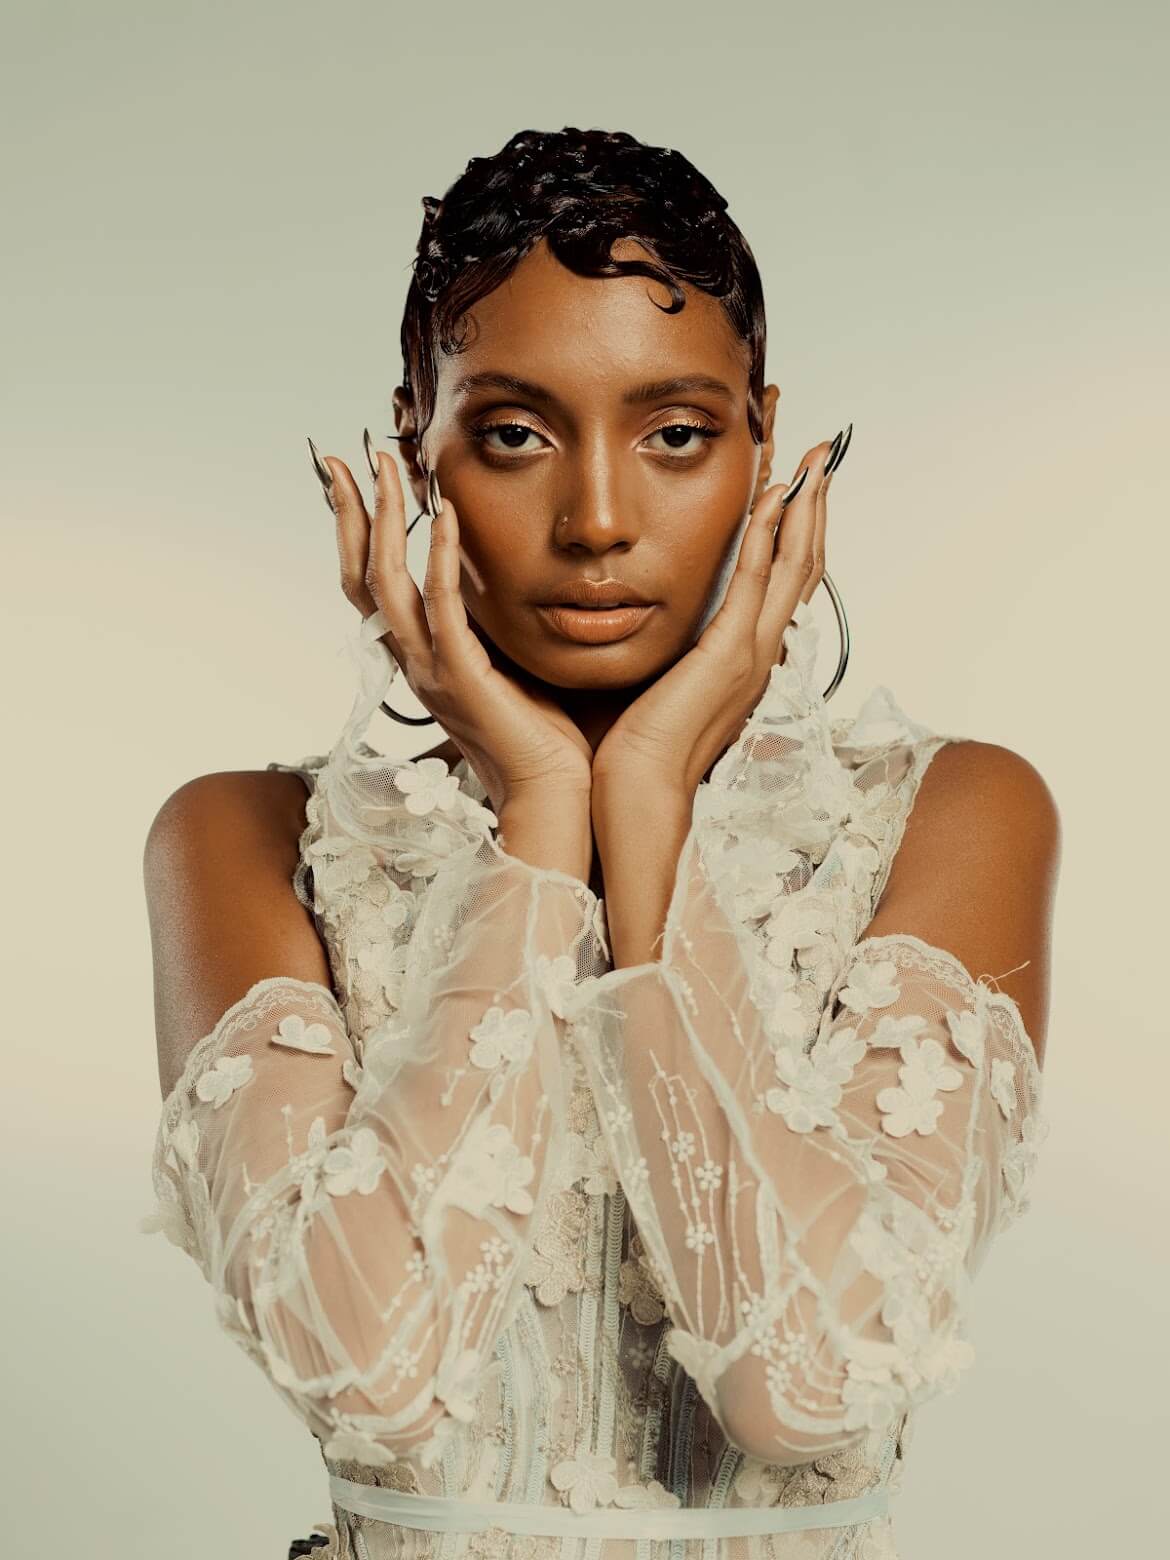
(976, 871)
(218, 865)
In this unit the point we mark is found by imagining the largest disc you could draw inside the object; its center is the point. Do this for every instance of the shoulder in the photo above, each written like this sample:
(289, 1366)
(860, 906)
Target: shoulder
(218, 868)
(977, 868)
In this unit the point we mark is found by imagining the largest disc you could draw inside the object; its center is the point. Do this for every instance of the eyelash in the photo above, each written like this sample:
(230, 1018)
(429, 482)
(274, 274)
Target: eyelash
(481, 432)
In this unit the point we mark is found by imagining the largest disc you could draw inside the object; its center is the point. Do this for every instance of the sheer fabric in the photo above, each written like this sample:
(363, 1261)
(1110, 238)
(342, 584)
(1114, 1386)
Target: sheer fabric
(503, 1224)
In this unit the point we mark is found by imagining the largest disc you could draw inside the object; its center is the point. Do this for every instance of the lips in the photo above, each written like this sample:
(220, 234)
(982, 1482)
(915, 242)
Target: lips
(597, 595)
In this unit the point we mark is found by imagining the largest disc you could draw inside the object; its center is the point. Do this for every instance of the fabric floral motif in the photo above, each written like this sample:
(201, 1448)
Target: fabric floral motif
(914, 1107)
(871, 984)
(814, 1081)
(1003, 1084)
(653, 1496)
(292, 1031)
(501, 1036)
(586, 1480)
(354, 1166)
(489, 1171)
(557, 978)
(557, 1264)
(427, 785)
(220, 1081)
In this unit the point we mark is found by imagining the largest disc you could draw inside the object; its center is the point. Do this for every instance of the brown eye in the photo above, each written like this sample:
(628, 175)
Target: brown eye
(685, 433)
(513, 435)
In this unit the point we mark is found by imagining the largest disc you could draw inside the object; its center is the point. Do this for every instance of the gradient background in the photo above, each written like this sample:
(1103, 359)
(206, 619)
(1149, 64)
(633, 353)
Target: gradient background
(960, 216)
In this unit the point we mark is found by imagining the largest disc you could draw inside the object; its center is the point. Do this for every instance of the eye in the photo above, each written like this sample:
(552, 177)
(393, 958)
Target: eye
(686, 429)
(508, 432)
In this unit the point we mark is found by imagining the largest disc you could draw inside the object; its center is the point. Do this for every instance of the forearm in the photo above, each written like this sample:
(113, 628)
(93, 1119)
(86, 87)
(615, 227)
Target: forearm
(640, 831)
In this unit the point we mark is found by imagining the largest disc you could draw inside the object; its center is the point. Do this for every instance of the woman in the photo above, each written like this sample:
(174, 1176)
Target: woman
(603, 1167)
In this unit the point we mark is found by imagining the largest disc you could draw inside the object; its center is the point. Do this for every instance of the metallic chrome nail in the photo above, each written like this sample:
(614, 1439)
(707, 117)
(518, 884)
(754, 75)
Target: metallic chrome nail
(324, 474)
(835, 464)
(832, 455)
(371, 459)
(434, 497)
(794, 489)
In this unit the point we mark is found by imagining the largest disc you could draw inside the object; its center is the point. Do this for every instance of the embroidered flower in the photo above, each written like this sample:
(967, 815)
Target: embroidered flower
(809, 1100)
(1003, 1085)
(1019, 1164)
(709, 1175)
(871, 1396)
(489, 1170)
(220, 1082)
(501, 1036)
(967, 1029)
(683, 1146)
(914, 1107)
(354, 1166)
(698, 1236)
(432, 1450)
(427, 785)
(557, 978)
(891, 1031)
(351, 1445)
(646, 1497)
(457, 1380)
(871, 984)
(292, 1031)
(638, 1290)
(837, 1053)
(586, 1480)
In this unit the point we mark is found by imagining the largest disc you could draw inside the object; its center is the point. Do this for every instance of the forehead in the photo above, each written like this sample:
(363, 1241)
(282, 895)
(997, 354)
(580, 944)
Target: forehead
(581, 335)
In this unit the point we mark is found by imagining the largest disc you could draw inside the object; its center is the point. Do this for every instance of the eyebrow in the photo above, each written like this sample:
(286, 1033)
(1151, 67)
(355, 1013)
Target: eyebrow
(636, 395)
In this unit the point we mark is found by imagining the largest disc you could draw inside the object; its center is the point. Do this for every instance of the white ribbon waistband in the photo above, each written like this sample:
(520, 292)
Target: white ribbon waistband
(445, 1514)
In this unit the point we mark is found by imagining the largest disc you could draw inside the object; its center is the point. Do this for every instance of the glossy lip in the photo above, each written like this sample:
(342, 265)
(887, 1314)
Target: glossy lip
(591, 626)
(597, 593)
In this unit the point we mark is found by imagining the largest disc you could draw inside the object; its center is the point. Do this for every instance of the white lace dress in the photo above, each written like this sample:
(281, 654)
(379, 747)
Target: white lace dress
(560, 1260)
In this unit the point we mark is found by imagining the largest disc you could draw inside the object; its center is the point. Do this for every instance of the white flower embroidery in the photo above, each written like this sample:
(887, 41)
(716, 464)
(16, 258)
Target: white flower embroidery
(354, 1166)
(1003, 1085)
(489, 1169)
(870, 985)
(587, 1479)
(812, 1093)
(299, 1036)
(501, 1036)
(427, 785)
(871, 1396)
(351, 1445)
(220, 1082)
(914, 1107)
(646, 1497)
(185, 1139)
(683, 1146)
(432, 1449)
(698, 1236)
(457, 1380)
(967, 1031)
(557, 978)
(837, 1053)
(891, 1031)
(709, 1175)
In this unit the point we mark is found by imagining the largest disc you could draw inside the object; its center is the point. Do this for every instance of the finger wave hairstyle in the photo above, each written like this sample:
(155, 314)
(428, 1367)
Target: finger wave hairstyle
(580, 190)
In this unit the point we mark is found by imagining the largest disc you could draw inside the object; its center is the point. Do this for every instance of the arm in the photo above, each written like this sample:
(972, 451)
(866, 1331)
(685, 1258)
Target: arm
(363, 1211)
(819, 1135)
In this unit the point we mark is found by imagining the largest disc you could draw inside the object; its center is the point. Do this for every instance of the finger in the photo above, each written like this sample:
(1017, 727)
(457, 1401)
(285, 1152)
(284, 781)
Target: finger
(808, 590)
(446, 614)
(353, 534)
(387, 578)
(733, 629)
(794, 566)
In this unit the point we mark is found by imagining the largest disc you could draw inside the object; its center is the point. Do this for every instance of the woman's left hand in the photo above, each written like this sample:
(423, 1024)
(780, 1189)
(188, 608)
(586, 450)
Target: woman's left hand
(672, 734)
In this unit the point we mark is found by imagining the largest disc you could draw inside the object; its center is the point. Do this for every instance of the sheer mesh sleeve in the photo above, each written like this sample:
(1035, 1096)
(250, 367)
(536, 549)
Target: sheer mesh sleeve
(363, 1206)
(818, 1136)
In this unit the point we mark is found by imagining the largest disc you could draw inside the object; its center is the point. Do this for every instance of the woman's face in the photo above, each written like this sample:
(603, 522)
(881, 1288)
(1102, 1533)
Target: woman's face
(594, 467)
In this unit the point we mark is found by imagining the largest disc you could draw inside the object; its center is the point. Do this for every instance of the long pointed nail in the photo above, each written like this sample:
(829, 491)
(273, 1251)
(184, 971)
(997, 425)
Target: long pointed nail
(833, 448)
(324, 474)
(835, 464)
(434, 497)
(371, 458)
(794, 489)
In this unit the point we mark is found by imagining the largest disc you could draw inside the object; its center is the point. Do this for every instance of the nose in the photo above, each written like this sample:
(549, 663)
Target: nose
(596, 510)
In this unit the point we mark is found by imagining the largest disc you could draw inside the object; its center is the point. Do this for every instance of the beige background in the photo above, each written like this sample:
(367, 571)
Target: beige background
(960, 215)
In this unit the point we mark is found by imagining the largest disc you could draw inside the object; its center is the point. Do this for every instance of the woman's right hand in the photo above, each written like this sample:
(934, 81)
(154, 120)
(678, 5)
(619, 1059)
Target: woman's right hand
(519, 743)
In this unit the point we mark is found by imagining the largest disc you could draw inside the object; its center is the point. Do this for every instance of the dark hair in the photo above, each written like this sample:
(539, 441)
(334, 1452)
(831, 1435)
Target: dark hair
(581, 190)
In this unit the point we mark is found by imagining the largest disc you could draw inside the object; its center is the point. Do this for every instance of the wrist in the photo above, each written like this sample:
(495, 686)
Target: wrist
(549, 830)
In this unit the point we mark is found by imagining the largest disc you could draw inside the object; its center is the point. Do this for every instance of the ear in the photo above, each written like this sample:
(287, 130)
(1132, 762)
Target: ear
(767, 448)
(406, 427)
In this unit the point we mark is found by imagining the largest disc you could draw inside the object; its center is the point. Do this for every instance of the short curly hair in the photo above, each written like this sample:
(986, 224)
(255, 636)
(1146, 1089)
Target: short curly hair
(580, 190)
